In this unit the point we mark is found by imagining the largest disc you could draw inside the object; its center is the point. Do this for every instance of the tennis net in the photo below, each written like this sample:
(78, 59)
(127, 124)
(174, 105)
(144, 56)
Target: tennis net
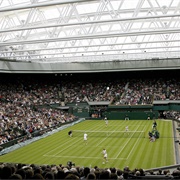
(118, 134)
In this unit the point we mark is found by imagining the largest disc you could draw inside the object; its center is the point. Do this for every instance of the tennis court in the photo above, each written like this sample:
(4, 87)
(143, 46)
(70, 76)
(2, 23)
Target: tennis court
(130, 148)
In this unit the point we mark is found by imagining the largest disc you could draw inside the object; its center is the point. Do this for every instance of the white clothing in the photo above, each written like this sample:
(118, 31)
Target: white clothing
(85, 136)
(104, 153)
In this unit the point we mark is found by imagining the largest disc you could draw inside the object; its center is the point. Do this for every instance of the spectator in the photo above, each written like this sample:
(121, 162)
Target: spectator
(86, 171)
(91, 176)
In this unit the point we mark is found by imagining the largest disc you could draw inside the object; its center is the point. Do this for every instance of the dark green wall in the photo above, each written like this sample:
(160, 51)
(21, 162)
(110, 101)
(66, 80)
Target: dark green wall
(81, 114)
(174, 107)
(132, 115)
(166, 107)
(161, 107)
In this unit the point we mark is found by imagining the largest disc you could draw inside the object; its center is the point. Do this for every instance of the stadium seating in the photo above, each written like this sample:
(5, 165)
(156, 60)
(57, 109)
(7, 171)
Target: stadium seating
(25, 108)
(32, 171)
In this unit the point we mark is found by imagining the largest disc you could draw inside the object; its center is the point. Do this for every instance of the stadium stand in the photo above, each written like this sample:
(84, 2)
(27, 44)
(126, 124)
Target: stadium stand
(65, 40)
(32, 171)
(25, 109)
(27, 103)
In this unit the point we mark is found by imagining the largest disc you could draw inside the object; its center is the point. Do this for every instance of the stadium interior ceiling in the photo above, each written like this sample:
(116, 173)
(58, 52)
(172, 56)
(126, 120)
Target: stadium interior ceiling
(89, 35)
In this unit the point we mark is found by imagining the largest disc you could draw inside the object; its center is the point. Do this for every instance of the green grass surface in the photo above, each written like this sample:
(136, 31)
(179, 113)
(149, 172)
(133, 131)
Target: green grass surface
(132, 151)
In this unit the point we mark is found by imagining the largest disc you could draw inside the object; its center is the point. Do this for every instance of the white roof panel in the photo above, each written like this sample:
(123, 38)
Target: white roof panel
(52, 30)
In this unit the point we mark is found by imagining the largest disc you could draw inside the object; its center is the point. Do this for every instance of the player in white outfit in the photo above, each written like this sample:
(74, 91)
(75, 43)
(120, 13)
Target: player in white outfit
(104, 152)
(127, 130)
(85, 138)
(106, 121)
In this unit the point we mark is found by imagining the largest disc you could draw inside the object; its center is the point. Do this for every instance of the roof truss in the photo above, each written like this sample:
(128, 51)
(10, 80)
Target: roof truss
(86, 31)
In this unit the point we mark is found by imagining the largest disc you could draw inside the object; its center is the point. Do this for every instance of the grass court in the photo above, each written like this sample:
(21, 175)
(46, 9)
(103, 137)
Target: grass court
(133, 149)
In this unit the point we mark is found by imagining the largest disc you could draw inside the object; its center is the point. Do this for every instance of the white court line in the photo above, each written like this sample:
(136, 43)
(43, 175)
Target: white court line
(106, 136)
(55, 155)
(80, 157)
(125, 144)
(58, 146)
(133, 148)
(120, 125)
(61, 146)
(136, 125)
(97, 145)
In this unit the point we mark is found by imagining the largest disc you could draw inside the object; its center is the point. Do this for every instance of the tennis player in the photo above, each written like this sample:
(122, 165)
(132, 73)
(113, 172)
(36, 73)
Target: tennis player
(70, 133)
(154, 125)
(106, 121)
(104, 152)
(85, 138)
(127, 129)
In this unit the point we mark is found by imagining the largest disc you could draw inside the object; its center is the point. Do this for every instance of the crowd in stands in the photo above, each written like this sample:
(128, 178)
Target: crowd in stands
(120, 91)
(24, 109)
(17, 121)
(22, 100)
(172, 115)
(123, 91)
(32, 171)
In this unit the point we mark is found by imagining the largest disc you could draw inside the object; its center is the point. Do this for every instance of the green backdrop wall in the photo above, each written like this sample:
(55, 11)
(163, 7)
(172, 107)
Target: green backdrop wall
(132, 115)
